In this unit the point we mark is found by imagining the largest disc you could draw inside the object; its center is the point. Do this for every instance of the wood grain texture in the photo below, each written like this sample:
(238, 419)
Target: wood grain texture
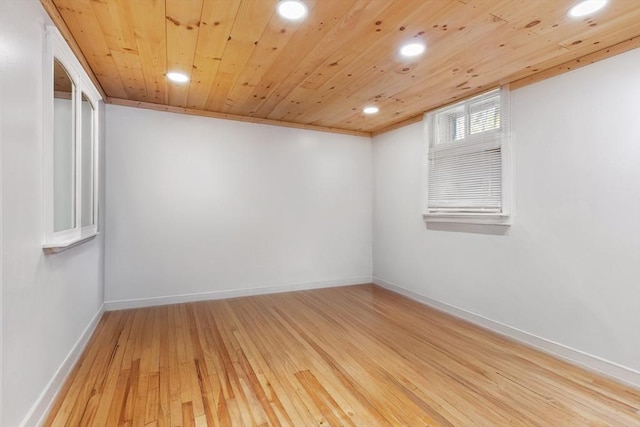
(350, 356)
(59, 22)
(245, 60)
(616, 49)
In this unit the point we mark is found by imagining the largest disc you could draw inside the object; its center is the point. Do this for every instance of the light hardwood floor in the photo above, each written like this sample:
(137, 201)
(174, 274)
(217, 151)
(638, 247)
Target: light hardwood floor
(353, 356)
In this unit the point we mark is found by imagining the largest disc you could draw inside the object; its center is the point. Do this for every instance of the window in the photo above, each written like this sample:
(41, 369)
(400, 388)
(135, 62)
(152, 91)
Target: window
(70, 139)
(468, 178)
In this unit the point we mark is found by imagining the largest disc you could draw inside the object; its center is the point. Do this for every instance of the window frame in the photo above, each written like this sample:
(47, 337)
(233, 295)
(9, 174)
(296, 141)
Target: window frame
(56, 48)
(472, 143)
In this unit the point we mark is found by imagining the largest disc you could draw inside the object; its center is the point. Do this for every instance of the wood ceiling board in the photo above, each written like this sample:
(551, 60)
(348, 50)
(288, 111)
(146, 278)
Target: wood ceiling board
(251, 21)
(491, 80)
(218, 17)
(116, 25)
(605, 34)
(340, 18)
(182, 26)
(623, 30)
(265, 55)
(483, 53)
(343, 54)
(618, 21)
(441, 66)
(550, 17)
(151, 43)
(133, 76)
(83, 24)
(323, 70)
(362, 54)
(456, 59)
(619, 48)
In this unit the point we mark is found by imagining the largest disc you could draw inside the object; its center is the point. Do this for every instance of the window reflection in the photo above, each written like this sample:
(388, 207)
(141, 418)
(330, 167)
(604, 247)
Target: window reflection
(63, 149)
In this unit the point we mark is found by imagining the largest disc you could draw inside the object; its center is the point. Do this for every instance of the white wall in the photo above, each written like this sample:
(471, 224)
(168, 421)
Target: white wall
(3, 54)
(568, 269)
(48, 300)
(202, 205)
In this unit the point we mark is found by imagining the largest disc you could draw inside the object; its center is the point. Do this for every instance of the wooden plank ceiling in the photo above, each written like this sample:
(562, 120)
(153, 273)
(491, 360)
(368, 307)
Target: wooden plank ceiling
(244, 59)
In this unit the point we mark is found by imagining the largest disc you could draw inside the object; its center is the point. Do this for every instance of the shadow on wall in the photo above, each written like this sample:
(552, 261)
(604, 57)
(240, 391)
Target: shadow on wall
(490, 229)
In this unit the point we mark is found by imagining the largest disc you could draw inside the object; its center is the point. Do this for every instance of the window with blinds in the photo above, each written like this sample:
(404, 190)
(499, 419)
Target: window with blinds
(467, 177)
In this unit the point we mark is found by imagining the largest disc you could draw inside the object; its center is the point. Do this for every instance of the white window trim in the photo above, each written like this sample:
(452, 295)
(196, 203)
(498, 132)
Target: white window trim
(505, 216)
(56, 47)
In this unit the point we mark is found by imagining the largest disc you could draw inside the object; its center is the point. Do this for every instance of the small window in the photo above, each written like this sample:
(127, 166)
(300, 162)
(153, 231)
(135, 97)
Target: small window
(70, 148)
(468, 177)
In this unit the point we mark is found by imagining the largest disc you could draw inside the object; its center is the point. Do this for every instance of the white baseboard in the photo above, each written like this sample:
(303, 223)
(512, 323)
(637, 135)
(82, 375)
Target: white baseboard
(40, 409)
(204, 296)
(590, 362)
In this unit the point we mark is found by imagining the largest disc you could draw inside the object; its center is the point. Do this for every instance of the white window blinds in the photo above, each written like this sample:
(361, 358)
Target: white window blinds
(466, 159)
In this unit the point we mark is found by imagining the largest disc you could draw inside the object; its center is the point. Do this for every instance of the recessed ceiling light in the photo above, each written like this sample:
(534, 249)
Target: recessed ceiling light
(586, 7)
(412, 49)
(370, 110)
(177, 77)
(292, 9)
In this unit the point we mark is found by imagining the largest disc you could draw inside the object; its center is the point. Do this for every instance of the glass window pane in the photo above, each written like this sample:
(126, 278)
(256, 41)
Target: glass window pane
(451, 125)
(457, 127)
(63, 150)
(485, 116)
(87, 162)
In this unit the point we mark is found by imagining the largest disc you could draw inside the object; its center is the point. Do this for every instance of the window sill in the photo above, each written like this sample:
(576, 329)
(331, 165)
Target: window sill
(55, 247)
(470, 218)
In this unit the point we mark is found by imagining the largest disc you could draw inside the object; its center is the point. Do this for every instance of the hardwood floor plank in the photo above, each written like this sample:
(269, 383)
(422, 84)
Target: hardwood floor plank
(331, 410)
(350, 356)
(188, 418)
(266, 352)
